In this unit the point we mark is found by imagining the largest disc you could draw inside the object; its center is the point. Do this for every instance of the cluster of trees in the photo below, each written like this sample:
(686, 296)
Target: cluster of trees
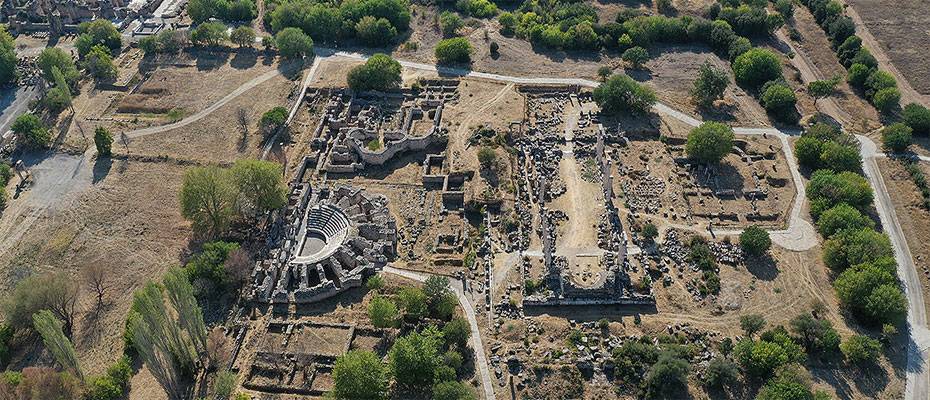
(877, 86)
(824, 146)
(96, 43)
(212, 197)
(226, 10)
(373, 22)
(45, 305)
(219, 266)
(749, 18)
(840, 202)
(380, 72)
(429, 357)
(621, 94)
(655, 370)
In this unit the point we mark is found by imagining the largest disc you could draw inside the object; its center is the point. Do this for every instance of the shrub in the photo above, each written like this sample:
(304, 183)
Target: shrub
(667, 377)
(854, 247)
(785, 8)
(454, 50)
(508, 23)
(450, 390)
(477, 8)
(375, 31)
(414, 358)
(761, 358)
(840, 157)
(886, 100)
(807, 149)
(817, 335)
(756, 67)
(710, 142)
(457, 332)
(382, 312)
(780, 101)
(292, 43)
(103, 140)
(380, 72)
(636, 56)
(414, 303)
(720, 373)
(224, 384)
(857, 75)
(751, 323)
(31, 131)
(620, 94)
(449, 22)
(860, 349)
(273, 119)
(896, 137)
(710, 85)
(840, 218)
(917, 117)
(877, 81)
(755, 241)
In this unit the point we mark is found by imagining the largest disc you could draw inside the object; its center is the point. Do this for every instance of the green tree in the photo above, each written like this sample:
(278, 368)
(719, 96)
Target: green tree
(636, 56)
(917, 117)
(273, 119)
(160, 340)
(103, 140)
(359, 374)
(816, 335)
(180, 294)
(827, 189)
(710, 85)
(414, 358)
(449, 23)
(752, 323)
(292, 43)
(209, 34)
(667, 377)
(31, 131)
(7, 57)
(622, 94)
(857, 75)
(879, 80)
(224, 385)
(781, 102)
(50, 328)
(375, 31)
(807, 149)
(840, 157)
(243, 36)
(453, 50)
(382, 312)
(887, 99)
(451, 390)
(414, 303)
(487, 157)
(822, 89)
(508, 22)
(853, 247)
(52, 57)
(99, 64)
(650, 232)
(604, 72)
(58, 97)
(896, 137)
(860, 349)
(840, 218)
(208, 198)
(763, 357)
(97, 32)
(788, 384)
(457, 332)
(720, 373)
(756, 67)
(710, 142)
(260, 186)
(380, 72)
(870, 291)
(755, 241)
(785, 8)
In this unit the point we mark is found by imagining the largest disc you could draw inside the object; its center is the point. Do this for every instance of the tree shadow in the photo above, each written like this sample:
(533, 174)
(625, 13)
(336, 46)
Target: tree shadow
(722, 112)
(639, 75)
(245, 58)
(210, 58)
(763, 268)
(101, 168)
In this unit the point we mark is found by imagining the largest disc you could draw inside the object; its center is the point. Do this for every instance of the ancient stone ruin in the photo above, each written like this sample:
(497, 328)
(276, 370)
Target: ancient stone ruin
(329, 239)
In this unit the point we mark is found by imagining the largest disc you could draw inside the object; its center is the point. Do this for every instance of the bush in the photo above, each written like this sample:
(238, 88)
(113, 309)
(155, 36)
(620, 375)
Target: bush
(508, 23)
(207, 269)
(896, 137)
(413, 301)
(273, 119)
(414, 358)
(886, 100)
(710, 85)
(359, 374)
(785, 8)
(622, 94)
(751, 323)
(807, 149)
(755, 241)
(636, 56)
(710, 142)
(375, 31)
(720, 373)
(840, 218)
(103, 140)
(756, 67)
(780, 101)
(860, 349)
(826, 189)
(854, 247)
(380, 72)
(382, 312)
(31, 131)
(790, 383)
(877, 81)
(454, 50)
(457, 332)
(451, 390)
(667, 377)
(449, 23)
(840, 157)
(761, 358)
(857, 75)
(477, 8)
(917, 117)
(817, 335)
(292, 43)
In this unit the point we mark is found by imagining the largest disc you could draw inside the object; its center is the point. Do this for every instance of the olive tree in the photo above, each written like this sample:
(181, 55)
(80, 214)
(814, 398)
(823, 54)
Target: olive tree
(710, 142)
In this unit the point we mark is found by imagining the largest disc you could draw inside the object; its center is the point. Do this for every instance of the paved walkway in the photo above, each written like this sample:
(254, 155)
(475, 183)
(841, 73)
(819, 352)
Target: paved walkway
(481, 360)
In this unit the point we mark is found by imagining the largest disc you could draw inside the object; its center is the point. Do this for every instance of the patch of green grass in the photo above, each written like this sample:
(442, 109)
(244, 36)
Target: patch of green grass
(176, 114)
